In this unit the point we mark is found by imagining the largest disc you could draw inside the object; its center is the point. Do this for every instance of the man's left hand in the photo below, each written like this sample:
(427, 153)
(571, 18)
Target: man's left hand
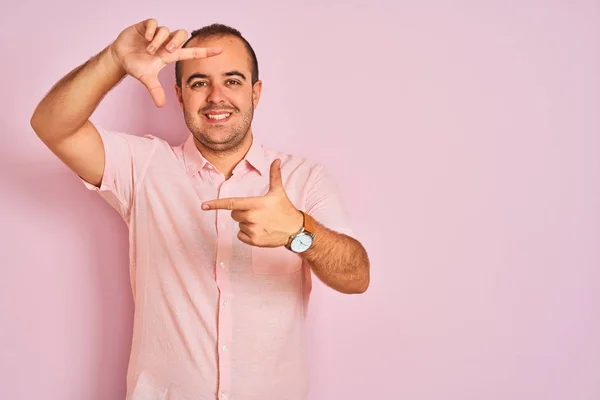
(265, 221)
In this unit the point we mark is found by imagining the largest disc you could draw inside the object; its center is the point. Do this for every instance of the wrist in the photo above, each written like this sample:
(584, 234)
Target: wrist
(298, 222)
(111, 63)
(302, 239)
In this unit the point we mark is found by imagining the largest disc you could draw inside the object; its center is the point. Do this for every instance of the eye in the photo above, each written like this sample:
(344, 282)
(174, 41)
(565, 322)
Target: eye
(233, 82)
(198, 84)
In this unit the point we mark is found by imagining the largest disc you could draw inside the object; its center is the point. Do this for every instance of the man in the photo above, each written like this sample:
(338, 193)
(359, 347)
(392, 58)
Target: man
(224, 233)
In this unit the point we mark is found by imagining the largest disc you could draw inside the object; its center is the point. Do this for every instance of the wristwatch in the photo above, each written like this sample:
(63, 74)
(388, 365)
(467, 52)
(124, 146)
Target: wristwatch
(302, 240)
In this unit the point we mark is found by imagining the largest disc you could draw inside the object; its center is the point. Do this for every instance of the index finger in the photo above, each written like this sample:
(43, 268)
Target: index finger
(232, 203)
(194, 53)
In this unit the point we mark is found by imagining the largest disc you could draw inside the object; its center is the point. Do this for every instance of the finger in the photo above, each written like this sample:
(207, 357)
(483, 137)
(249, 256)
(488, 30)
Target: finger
(161, 35)
(155, 88)
(151, 25)
(192, 53)
(244, 238)
(245, 227)
(146, 28)
(275, 179)
(177, 39)
(232, 203)
(241, 216)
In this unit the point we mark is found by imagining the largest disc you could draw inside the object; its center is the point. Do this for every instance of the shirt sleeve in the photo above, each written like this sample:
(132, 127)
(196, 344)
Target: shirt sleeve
(126, 160)
(324, 202)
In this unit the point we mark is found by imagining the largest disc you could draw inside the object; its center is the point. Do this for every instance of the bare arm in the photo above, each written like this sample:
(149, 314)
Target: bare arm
(338, 260)
(61, 120)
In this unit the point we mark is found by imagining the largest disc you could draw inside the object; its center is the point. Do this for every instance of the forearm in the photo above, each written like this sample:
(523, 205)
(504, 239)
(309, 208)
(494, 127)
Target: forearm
(71, 101)
(340, 261)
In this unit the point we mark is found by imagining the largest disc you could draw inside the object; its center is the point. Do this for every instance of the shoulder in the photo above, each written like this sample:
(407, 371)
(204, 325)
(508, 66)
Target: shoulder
(294, 163)
(133, 141)
(137, 145)
(302, 172)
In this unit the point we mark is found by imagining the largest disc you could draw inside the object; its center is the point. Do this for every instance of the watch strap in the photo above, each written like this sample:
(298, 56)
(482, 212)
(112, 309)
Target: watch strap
(309, 223)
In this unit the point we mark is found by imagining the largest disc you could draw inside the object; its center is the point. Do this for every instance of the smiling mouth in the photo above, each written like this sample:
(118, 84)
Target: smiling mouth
(218, 116)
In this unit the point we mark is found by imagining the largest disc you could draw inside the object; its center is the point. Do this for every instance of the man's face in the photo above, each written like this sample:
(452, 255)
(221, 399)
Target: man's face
(217, 95)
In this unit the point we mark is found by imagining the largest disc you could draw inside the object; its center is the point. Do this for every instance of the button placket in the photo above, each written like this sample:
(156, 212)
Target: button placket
(222, 275)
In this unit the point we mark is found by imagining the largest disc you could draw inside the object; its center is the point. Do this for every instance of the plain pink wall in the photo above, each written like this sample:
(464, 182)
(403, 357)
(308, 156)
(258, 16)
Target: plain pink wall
(466, 141)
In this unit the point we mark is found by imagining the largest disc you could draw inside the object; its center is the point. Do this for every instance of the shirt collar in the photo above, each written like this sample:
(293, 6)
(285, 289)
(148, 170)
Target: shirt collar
(194, 161)
(257, 157)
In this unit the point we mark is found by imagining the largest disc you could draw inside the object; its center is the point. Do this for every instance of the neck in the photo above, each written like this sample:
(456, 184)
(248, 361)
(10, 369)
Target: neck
(226, 160)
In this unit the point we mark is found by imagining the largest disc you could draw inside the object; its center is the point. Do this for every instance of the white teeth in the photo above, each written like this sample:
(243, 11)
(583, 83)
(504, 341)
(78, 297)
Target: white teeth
(218, 116)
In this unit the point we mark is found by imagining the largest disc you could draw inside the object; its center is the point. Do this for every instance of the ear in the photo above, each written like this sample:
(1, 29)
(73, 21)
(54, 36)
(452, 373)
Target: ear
(256, 90)
(179, 93)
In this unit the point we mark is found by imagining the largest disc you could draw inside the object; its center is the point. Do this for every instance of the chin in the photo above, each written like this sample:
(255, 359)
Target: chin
(220, 141)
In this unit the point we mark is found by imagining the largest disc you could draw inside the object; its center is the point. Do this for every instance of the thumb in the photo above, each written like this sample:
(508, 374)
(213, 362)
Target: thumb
(276, 183)
(154, 87)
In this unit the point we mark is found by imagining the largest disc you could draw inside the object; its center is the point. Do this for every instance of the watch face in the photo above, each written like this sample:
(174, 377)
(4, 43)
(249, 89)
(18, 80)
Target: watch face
(301, 243)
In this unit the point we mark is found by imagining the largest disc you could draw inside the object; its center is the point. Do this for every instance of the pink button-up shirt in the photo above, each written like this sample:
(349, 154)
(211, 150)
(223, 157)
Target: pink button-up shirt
(215, 318)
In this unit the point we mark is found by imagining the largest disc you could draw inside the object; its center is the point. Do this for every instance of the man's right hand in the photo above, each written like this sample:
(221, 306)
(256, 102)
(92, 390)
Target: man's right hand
(143, 49)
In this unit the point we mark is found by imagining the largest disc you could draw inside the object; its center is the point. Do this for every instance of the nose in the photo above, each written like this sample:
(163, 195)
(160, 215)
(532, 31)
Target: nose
(215, 94)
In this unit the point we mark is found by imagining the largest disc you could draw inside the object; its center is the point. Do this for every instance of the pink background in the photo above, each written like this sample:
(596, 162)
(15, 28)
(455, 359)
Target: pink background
(464, 137)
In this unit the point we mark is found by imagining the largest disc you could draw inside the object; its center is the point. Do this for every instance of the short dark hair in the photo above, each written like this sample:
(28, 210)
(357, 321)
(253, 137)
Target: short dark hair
(219, 30)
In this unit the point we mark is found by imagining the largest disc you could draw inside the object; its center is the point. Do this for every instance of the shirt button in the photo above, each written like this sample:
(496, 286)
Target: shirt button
(222, 264)
(225, 303)
(221, 225)
(222, 395)
(224, 348)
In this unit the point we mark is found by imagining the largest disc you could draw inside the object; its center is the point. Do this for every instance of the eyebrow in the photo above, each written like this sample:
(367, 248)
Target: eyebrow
(204, 76)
